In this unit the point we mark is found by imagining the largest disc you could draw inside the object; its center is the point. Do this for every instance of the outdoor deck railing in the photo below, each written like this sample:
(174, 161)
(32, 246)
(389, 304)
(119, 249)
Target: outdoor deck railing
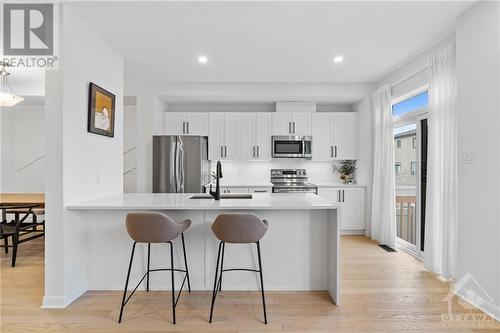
(405, 218)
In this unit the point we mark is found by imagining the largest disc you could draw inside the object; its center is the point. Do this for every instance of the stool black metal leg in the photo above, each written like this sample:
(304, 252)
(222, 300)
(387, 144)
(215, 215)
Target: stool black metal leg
(126, 283)
(173, 285)
(262, 283)
(149, 256)
(214, 291)
(185, 262)
(6, 244)
(222, 265)
(15, 242)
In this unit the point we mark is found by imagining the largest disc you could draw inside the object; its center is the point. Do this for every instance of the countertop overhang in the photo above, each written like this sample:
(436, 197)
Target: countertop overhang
(182, 201)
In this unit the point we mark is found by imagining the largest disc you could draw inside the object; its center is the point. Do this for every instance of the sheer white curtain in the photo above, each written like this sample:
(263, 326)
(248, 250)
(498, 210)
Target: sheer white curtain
(383, 201)
(440, 253)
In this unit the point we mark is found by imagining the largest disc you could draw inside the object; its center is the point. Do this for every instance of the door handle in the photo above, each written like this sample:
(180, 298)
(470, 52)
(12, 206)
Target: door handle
(183, 127)
(294, 127)
(187, 127)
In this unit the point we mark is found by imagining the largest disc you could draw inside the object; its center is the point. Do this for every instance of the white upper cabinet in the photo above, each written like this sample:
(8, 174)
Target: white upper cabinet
(254, 136)
(196, 123)
(334, 136)
(185, 123)
(322, 137)
(345, 135)
(174, 123)
(292, 123)
(263, 132)
(223, 135)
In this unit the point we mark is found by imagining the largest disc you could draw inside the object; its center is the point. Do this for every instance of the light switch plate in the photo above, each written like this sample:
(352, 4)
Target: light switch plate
(469, 157)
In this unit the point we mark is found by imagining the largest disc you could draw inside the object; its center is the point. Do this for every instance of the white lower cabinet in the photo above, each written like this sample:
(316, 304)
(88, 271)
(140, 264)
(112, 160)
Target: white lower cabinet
(353, 207)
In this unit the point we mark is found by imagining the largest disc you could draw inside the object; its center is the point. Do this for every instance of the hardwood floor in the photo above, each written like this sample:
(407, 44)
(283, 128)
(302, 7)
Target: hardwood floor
(381, 292)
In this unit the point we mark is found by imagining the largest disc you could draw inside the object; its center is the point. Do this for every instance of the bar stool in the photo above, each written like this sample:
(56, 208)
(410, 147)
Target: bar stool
(150, 228)
(237, 228)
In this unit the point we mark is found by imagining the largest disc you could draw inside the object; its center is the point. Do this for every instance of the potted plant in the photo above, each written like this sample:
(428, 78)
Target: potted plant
(346, 170)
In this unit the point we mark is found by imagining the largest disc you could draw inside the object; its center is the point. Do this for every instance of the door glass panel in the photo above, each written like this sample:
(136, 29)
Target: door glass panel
(406, 181)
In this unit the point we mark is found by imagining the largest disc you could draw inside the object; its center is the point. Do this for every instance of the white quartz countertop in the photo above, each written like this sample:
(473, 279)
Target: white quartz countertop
(243, 184)
(182, 201)
(332, 184)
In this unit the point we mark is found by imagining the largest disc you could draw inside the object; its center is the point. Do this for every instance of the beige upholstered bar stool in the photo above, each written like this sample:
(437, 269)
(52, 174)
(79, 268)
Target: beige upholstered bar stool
(237, 228)
(152, 227)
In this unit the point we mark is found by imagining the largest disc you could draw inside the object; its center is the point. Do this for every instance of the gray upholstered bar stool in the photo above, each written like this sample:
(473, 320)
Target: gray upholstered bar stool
(152, 227)
(237, 228)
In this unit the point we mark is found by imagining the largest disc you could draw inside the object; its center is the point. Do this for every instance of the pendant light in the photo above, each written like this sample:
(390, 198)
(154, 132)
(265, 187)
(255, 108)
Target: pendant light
(7, 98)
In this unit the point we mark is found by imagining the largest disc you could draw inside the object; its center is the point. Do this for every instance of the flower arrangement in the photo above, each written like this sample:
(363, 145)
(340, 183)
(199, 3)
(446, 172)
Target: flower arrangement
(346, 170)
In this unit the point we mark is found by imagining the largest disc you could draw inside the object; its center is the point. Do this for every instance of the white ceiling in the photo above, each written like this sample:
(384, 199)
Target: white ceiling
(267, 41)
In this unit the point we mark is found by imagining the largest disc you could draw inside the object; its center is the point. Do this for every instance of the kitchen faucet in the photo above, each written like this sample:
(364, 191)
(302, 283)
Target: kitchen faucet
(218, 175)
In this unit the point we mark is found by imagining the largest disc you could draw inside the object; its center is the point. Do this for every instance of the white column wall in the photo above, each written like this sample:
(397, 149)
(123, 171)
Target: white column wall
(81, 165)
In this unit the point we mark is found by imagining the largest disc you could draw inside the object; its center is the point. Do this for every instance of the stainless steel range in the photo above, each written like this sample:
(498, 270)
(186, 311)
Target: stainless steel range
(291, 181)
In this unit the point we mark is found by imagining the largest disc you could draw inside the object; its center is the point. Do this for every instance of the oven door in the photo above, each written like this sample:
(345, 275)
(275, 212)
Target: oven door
(287, 147)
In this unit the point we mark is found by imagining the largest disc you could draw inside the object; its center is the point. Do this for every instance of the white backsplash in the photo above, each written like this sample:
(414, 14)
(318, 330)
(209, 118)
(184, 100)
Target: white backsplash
(259, 171)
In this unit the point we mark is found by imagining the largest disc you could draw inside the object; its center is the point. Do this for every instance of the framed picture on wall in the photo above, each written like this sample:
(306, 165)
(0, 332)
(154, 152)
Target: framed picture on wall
(101, 111)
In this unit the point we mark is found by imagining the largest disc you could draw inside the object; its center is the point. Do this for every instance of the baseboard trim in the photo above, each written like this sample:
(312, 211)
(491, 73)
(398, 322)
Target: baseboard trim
(352, 232)
(61, 302)
(481, 307)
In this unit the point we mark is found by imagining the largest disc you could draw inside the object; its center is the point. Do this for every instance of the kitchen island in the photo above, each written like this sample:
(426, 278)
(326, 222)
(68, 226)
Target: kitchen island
(300, 250)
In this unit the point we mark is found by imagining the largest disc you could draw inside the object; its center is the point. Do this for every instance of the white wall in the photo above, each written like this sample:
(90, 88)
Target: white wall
(478, 81)
(130, 148)
(23, 147)
(80, 165)
(365, 153)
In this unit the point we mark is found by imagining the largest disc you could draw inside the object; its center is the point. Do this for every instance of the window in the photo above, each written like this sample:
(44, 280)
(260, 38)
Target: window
(398, 143)
(415, 143)
(397, 167)
(411, 104)
(413, 168)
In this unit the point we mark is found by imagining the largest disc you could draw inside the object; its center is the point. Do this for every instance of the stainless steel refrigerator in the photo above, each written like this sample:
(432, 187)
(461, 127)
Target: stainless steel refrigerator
(180, 164)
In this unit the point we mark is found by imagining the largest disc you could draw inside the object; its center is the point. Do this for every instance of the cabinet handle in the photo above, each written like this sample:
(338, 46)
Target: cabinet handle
(335, 151)
(221, 151)
(343, 196)
(331, 151)
(289, 127)
(258, 151)
(259, 191)
(225, 151)
(183, 127)
(294, 127)
(187, 127)
(338, 195)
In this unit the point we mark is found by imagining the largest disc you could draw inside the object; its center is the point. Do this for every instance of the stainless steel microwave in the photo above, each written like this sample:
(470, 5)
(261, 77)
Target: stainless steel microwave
(292, 146)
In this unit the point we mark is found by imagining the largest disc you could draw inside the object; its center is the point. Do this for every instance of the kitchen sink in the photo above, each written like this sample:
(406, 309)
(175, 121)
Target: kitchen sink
(223, 196)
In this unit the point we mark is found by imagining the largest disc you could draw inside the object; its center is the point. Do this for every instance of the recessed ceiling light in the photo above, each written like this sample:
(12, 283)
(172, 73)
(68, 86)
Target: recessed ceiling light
(202, 59)
(338, 59)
